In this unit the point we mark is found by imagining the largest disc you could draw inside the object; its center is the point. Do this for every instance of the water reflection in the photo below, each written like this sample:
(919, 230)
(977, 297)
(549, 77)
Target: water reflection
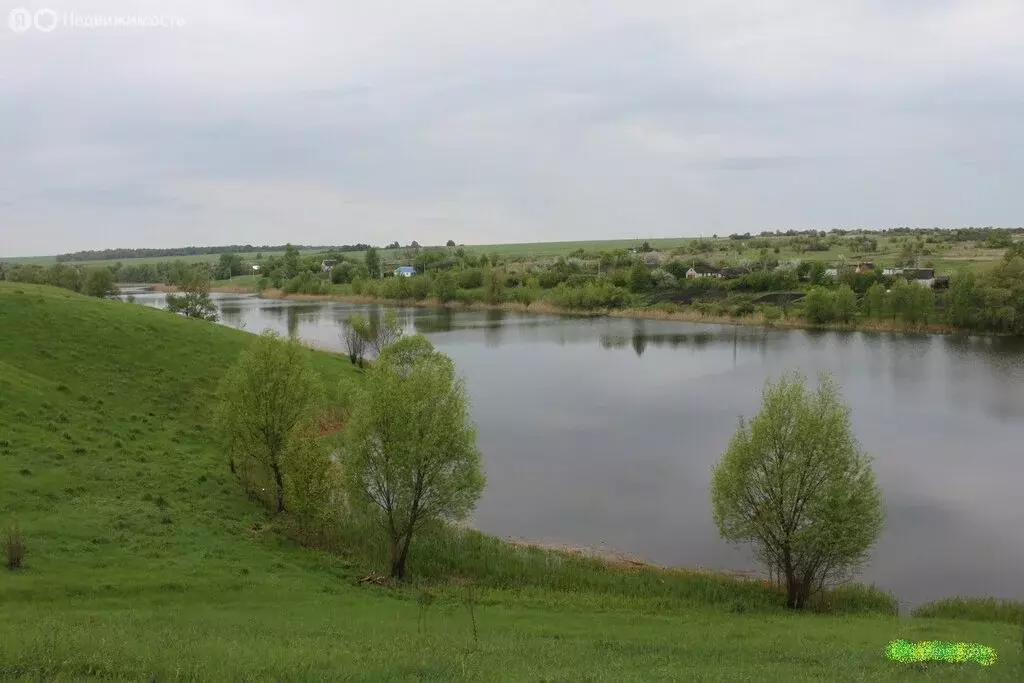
(440, 320)
(494, 328)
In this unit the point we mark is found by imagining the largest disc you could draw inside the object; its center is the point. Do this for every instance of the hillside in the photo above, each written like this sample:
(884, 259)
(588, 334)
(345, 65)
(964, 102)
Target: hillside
(146, 561)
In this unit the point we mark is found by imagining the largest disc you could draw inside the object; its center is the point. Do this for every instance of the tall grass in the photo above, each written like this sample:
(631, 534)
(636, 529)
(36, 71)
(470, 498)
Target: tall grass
(974, 609)
(14, 547)
(443, 551)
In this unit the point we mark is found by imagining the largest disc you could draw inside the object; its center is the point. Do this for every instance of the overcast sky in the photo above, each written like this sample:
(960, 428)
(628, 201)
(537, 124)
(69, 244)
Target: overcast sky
(335, 121)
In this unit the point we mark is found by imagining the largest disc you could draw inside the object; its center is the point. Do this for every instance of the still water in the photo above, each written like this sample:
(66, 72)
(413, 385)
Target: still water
(604, 431)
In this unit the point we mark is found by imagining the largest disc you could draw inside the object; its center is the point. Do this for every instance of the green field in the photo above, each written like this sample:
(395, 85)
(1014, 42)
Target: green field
(198, 258)
(147, 561)
(947, 258)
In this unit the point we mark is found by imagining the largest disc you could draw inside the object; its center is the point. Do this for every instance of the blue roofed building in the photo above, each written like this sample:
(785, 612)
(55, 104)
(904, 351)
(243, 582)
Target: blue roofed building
(405, 271)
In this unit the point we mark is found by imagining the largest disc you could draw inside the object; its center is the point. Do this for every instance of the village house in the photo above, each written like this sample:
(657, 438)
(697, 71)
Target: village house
(405, 271)
(700, 271)
(327, 264)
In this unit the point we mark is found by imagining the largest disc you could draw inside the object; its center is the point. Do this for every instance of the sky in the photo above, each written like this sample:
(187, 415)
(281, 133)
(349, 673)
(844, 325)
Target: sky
(486, 121)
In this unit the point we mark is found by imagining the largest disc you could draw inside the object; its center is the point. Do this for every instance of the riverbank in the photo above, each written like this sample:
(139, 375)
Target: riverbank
(684, 314)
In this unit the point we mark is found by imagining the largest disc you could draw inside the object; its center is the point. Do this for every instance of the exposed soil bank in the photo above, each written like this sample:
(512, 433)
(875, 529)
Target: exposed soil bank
(620, 560)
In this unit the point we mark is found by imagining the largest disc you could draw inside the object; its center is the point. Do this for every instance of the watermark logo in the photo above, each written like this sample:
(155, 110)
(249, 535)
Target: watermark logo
(45, 20)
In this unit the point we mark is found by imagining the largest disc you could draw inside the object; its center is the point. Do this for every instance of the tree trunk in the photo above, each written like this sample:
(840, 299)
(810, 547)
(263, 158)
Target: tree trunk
(279, 481)
(399, 553)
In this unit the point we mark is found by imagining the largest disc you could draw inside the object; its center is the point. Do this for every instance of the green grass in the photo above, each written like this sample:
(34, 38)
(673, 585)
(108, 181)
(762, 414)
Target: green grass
(976, 609)
(146, 558)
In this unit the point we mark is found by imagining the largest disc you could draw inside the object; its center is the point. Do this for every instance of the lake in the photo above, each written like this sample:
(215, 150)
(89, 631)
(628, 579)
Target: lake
(604, 431)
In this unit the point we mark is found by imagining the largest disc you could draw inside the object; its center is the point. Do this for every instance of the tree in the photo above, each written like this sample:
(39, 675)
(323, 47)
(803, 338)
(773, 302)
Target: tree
(445, 289)
(194, 300)
(819, 306)
(645, 247)
(817, 273)
(291, 264)
(229, 266)
(384, 333)
(874, 301)
(410, 448)
(373, 263)
(100, 283)
(266, 408)
(494, 285)
(405, 353)
(639, 277)
(450, 243)
(355, 336)
(796, 484)
(414, 244)
(844, 303)
(964, 301)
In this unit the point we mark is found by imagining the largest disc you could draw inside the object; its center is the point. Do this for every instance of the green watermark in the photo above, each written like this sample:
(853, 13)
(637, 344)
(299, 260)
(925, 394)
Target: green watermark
(934, 651)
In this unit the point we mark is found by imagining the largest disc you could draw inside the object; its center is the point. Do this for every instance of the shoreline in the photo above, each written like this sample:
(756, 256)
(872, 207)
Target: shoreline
(621, 561)
(545, 308)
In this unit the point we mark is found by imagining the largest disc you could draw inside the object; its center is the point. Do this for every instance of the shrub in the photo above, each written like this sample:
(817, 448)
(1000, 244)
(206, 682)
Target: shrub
(744, 309)
(595, 295)
(304, 283)
(667, 307)
(771, 314)
(445, 287)
(663, 279)
(819, 306)
(14, 547)
(470, 278)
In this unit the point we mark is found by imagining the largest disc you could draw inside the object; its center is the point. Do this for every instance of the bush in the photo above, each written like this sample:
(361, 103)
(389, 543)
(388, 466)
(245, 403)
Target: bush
(591, 296)
(663, 279)
(771, 314)
(974, 609)
(667, 307)
(304, 283)
(445, 287)
(470, 278)
(819, 306)
(744, 309)
(14, 547)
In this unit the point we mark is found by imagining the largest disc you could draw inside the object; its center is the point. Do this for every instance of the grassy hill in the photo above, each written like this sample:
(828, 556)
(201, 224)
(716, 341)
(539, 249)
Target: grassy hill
(147, 560)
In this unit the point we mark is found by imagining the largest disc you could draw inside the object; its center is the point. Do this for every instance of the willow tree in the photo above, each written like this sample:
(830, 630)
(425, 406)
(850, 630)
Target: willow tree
(795, 483)
(267, 408)
(410, 447)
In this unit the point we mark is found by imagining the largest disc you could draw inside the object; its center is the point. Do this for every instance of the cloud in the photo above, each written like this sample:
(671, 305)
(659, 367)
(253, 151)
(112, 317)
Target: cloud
(507, 121)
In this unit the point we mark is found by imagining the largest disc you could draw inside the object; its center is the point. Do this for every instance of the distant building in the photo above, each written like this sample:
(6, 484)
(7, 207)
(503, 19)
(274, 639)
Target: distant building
(922, 276)
(328, 264)
(255, 269)
(701, 271)
(405, 271)
(865, 268)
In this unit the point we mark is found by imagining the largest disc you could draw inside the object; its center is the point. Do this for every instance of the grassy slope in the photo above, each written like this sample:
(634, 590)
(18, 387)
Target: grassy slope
(145, 557)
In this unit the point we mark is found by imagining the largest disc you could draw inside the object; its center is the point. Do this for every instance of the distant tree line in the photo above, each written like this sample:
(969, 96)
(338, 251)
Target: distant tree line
(116, 254)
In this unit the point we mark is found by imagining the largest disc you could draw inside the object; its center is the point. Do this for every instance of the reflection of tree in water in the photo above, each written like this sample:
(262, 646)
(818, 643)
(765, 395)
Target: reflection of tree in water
(434, 320)
(311, 312)
(640, 341)
(495, 328)
(231, 314)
